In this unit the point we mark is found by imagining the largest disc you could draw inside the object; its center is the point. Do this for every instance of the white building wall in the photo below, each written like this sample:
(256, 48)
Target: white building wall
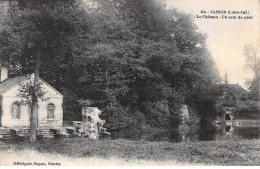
(7, 120)
(58, 113)
(52, 96)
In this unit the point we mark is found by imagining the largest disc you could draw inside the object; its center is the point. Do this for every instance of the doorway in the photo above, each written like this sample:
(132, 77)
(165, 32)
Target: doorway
(227, 117)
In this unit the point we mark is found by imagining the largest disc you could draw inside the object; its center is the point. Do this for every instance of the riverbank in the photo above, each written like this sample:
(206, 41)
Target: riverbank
(125, 152)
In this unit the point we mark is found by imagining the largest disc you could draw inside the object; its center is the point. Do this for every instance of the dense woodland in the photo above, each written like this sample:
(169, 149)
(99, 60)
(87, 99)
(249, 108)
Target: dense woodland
(136, 60)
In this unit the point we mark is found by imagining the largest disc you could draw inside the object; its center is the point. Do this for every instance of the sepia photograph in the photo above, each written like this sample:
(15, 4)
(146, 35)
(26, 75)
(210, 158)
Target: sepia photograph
(129, 83)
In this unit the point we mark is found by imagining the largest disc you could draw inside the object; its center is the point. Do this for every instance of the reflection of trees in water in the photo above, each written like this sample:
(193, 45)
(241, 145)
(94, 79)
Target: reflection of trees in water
(207, 134)
(237, 133)
(220, 133)
(225, 133)
(207, 130)
(247, 132)
(227, 128)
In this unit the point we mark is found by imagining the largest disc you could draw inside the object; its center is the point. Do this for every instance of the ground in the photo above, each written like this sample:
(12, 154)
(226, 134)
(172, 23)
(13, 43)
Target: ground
(79, 151)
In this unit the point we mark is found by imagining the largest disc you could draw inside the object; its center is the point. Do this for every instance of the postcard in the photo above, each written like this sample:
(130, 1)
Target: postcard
(129, 83)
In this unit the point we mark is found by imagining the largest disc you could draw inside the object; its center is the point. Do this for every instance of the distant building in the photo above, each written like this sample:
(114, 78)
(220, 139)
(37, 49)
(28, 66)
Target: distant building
(15, 114)
(232, 93)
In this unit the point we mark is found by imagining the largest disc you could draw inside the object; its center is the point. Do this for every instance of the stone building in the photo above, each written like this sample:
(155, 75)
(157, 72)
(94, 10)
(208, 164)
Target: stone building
(14, 114)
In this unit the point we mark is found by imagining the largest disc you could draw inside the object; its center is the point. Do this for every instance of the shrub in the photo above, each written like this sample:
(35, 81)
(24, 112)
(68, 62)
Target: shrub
(249, 111)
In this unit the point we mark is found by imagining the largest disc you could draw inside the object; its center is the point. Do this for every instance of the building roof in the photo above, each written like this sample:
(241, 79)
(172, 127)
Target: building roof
(10, 82)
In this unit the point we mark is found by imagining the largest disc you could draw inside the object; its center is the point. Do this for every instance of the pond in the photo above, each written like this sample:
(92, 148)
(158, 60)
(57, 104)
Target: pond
(224, 132)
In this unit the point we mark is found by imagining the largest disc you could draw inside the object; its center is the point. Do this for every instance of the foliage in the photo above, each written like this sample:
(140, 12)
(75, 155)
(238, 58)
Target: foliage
(26, 91)
(248, 111)
(253, 89)
(71, 109)
(136, 60)
(253, 64)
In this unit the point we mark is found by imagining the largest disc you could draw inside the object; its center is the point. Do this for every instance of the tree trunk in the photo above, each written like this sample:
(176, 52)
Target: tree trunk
(34, 108)
(0, 105)
(0, 71)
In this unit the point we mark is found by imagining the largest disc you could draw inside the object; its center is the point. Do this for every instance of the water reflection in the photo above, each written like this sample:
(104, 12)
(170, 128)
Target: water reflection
(217, 133)
(226, 131)
(237, 132)
(228, 128)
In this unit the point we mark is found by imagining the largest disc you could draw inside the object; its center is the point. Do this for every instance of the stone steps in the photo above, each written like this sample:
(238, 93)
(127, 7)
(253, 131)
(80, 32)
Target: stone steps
(24, 133)
(44, 133)
(19, 134)
(5, 133)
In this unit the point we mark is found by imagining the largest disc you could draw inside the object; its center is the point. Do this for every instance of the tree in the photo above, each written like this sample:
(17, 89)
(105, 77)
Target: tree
(131, 58)
(253, 63)
(37, 34)
(158, 49)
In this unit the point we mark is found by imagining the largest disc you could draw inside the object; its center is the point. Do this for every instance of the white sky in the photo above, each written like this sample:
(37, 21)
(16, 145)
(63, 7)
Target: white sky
(226, 38)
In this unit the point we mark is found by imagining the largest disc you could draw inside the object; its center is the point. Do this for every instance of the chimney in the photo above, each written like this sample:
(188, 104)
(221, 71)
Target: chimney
(4, 74)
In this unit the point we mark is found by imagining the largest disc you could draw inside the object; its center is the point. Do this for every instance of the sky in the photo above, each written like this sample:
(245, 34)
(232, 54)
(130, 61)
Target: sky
(226, 37)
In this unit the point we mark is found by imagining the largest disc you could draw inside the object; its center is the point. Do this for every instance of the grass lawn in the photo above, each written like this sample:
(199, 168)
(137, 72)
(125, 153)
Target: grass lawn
(138, 152)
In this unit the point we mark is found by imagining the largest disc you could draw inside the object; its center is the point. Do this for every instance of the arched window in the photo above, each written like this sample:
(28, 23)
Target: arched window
(15, 112)
(50, 111)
